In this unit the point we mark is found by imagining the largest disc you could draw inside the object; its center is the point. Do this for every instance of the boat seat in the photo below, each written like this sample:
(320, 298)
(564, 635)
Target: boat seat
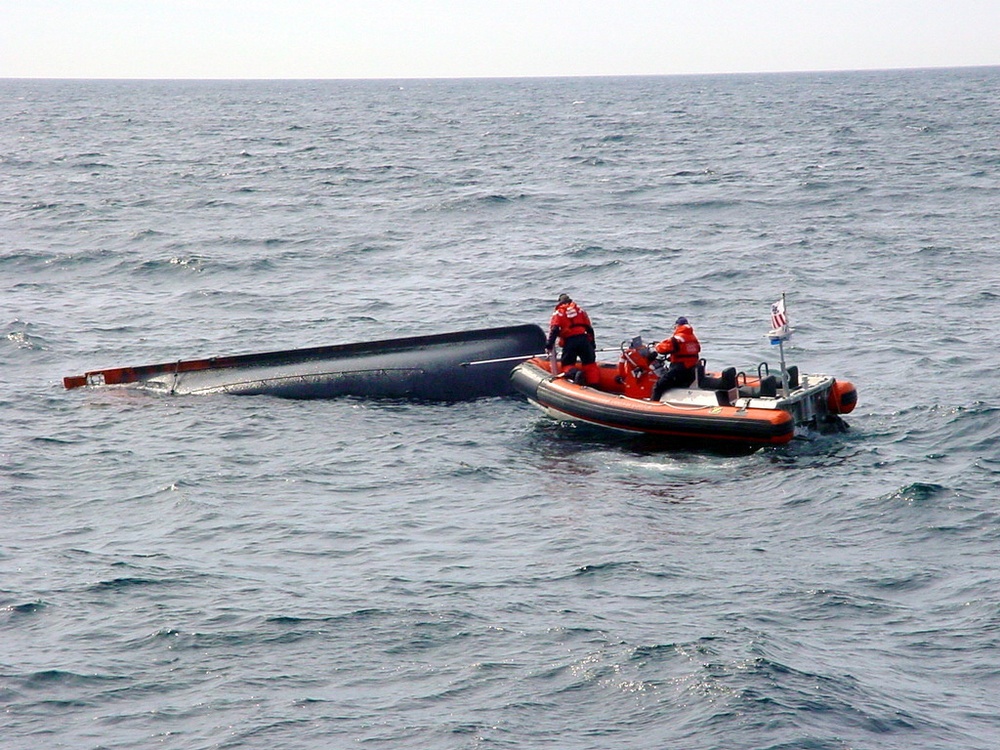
(727, 397)
(724, 384)
(769, 386)
(725, 381)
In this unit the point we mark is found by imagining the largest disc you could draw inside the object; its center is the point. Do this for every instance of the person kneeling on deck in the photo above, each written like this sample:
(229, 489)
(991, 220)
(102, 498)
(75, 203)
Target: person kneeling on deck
(682, 349)
(570, 327)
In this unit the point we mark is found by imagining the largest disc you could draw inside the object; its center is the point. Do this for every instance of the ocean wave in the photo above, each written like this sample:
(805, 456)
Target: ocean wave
(23, 339)
(26, 608)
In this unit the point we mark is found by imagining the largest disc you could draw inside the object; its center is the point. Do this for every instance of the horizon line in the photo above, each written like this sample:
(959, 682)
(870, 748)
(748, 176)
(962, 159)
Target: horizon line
(505, 77)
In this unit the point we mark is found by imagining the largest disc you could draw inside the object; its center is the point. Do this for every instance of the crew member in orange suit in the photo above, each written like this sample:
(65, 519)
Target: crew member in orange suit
(570, 327)
(682, 349)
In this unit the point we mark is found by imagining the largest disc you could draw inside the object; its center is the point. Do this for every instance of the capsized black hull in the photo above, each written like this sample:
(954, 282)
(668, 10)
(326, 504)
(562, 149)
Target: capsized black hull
(434, 368)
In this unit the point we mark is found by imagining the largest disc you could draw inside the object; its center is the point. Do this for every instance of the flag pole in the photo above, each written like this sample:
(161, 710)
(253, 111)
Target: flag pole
(784, 371)
(778, 336)
(781, 352)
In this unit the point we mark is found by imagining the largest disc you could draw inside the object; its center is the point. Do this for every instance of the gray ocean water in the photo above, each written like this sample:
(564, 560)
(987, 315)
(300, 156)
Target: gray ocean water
(252, 572)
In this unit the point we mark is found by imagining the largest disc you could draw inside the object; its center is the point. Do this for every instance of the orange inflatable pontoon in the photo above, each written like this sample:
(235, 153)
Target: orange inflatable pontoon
(728, 407)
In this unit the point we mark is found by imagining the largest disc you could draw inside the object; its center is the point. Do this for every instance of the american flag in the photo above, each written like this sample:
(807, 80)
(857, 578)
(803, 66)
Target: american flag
(778, 318)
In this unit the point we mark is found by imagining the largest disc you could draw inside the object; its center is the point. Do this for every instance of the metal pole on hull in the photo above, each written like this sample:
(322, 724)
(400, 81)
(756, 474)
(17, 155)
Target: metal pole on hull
(501, 359)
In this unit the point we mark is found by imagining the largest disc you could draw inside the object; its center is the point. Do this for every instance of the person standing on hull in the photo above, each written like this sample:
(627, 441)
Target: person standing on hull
(683, 350)
(570, 327)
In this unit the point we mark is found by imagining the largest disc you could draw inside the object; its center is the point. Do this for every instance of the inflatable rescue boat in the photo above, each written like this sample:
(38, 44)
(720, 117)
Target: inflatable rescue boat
(731, 407)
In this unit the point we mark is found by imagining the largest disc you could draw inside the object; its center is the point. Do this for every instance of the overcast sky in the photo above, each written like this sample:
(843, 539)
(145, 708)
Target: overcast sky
(461, 38)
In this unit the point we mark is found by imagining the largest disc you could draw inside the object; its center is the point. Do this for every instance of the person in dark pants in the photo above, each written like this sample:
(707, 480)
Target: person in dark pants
(570, 327)
(682, 349)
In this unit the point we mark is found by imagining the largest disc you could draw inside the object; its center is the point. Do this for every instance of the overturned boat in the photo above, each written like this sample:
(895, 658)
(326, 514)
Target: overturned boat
(454, 366)
(728, 407)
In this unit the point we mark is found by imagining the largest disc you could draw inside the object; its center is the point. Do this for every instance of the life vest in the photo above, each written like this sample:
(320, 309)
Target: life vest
(569, 319)
(683, 347)
(635, 373)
